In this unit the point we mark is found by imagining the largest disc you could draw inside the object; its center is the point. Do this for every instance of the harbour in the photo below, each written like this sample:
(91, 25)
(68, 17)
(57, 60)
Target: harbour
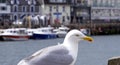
(23, 26)
(96, 53)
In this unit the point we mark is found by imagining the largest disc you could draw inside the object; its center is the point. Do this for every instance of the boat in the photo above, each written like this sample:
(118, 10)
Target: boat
(85, 31)
(30, 32)
(1, 31)
(44, 33)
(14, 34)
(62, 31)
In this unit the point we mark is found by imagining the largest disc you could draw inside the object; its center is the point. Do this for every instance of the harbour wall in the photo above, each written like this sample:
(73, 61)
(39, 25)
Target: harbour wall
(99, 29)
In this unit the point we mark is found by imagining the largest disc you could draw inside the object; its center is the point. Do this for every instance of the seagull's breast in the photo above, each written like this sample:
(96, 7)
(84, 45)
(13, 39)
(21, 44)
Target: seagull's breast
(56, 55)
(22, 62)
(73, 49)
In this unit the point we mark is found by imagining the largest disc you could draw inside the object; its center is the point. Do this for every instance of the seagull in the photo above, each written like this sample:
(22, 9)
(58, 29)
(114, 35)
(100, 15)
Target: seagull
(61, 54)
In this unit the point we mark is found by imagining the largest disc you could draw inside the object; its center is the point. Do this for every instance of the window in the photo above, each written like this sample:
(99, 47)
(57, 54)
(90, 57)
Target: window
(3, 8)
(58, 1)
(15, 9)
(63, 8)
(23, 9)
(15, 1)
(50, 8)
(68, 17)
(57, 8)
(63, 19)
(15, 17)
(32, 8)
(52, 0)
(64, 1)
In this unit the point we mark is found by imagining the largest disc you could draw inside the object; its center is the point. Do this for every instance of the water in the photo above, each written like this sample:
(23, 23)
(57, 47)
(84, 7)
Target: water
(97, 53)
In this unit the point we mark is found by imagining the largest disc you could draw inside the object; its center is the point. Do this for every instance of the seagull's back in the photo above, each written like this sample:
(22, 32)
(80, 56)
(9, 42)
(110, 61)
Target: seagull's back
(54, 55)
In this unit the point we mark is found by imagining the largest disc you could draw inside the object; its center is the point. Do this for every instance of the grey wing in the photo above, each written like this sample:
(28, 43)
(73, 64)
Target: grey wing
(56, 55)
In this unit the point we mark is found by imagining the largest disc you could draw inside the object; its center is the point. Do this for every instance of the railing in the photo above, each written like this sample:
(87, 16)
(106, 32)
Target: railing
(57, 2)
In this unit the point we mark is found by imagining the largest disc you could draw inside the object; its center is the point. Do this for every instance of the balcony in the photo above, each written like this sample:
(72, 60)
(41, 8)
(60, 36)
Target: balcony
(83, 4)
(57, 2)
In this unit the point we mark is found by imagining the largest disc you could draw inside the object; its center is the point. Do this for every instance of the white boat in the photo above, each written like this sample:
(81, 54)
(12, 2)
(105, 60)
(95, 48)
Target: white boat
(62, 31)
(85, 31)
(1, 31)
(44, 33)
(30, 32)
(14, 34)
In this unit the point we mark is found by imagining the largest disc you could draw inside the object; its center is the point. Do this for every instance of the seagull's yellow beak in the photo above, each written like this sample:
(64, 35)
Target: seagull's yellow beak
(90, 39)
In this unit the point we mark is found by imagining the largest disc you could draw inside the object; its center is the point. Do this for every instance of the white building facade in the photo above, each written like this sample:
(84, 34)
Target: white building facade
(23, 8)
(4, 10)
(58, 11)
(105, 9)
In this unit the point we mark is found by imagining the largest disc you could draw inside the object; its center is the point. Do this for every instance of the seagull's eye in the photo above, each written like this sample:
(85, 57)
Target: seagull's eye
(77, 35)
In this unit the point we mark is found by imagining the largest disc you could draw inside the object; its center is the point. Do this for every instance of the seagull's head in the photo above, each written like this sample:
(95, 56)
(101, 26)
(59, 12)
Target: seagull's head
(76, 35)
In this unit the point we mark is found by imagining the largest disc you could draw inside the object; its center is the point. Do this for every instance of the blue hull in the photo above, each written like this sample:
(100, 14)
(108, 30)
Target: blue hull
(44, 36)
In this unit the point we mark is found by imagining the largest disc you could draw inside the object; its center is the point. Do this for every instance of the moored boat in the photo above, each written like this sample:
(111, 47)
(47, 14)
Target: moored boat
(30, 32)
(62, 31)
(14, 34)
(44, 33)
(1, 31)
(85, 31)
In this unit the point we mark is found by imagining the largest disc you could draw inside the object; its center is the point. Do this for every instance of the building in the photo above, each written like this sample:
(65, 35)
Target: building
(22, 8)
(80, 12)
(58, 11)
(105, 10)
(4, 11)
(84, 11)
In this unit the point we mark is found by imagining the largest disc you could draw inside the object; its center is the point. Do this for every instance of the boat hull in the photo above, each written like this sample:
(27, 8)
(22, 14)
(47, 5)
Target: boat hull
(44, 36)
(61, 35)
(1, 38)
(14, 38)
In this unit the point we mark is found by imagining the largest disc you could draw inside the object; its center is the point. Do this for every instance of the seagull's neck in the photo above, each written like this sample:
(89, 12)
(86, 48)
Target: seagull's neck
(72, 46)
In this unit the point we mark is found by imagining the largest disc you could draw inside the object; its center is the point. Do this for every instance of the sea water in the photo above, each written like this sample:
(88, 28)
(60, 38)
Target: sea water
(96, 53)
